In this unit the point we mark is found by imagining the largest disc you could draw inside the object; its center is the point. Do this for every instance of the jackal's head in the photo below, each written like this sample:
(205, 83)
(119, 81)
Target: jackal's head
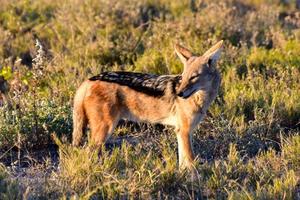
(199, 71)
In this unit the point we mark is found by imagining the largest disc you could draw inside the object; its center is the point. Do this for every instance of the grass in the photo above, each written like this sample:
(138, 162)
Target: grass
(130, 171)
(247, 146)
(9, 188)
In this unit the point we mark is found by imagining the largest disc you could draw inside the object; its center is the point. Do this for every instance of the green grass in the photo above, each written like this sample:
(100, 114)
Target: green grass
(247, 146)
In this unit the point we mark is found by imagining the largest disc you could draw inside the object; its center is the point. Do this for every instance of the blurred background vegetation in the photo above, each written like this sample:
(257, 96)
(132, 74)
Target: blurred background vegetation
(257, 109)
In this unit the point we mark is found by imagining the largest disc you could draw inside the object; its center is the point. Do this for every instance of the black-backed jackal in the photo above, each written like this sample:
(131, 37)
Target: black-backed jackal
(177, 100)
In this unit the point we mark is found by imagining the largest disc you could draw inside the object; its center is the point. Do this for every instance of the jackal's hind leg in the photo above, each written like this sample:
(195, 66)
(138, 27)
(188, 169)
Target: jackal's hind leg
(100, 132)
(101, 124)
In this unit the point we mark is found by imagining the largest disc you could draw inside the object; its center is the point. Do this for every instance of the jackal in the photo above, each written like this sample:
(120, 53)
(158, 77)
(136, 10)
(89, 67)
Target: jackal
(177, 100)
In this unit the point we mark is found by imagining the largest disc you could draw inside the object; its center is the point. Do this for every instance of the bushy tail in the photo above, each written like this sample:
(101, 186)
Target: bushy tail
(79, 117)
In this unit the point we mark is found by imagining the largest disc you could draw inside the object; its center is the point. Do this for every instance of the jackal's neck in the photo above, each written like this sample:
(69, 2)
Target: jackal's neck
(203, 99)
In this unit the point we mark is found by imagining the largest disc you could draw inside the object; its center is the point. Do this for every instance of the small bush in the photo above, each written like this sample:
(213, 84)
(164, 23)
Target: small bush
(8, 189)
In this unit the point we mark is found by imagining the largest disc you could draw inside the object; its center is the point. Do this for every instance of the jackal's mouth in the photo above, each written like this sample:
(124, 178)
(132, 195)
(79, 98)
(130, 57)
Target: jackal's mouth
(182, 94)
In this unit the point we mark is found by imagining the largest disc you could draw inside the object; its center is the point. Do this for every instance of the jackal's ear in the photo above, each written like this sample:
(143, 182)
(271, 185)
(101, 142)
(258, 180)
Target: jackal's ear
(213, 54)
(183, 53)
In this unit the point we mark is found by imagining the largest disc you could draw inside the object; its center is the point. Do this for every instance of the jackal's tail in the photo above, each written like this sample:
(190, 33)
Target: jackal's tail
(79, 117)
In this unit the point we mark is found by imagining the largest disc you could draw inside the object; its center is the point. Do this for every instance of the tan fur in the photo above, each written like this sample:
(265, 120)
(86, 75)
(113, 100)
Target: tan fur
(102, 104)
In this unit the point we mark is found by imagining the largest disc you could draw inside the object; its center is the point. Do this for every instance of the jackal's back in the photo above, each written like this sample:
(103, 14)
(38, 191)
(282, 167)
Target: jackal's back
(150, 84)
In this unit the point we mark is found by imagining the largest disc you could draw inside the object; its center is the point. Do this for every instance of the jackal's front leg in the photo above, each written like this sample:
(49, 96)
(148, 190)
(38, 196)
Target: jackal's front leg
(185, 151)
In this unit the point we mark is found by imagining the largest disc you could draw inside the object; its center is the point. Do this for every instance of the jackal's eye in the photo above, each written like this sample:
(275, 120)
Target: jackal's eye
(194, 77)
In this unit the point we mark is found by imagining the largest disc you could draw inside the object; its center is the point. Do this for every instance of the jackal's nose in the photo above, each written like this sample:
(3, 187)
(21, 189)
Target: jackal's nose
(180, 94)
